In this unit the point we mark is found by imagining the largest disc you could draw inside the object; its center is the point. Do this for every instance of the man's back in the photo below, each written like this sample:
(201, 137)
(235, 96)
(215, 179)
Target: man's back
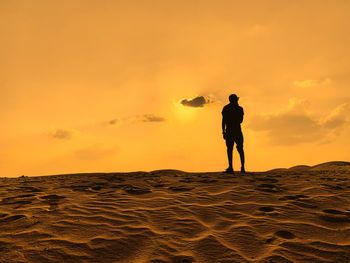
(233, 116)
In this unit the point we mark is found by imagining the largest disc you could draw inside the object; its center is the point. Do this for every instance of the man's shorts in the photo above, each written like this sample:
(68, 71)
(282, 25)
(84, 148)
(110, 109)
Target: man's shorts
(233, 137)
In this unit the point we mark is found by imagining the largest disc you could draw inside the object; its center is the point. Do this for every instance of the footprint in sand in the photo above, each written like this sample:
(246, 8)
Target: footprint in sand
(207, 181)
(273, 259)
(27, 195)
(19, 202)
(334, 212)
(99, 186)
(266, 209)
(271, 180)
(80, 188)
(52, 201)
(299, 200)
(155, 182)
(11, 219)
(29, 189)
(293, 197)
(52, 197)
(180, 188)
(13, 200)
(159, 185)
(285, 234)
(268, 188)
(333, 187)
(335, 216)
(304, 205)
(114, 179)
(182, 259)
(137, 191)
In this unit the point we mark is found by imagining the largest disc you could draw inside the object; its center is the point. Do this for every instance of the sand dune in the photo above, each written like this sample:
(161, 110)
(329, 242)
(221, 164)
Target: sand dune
(301, 214)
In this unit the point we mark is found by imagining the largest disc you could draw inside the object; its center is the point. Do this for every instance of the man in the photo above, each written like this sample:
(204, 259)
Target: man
(232, 117)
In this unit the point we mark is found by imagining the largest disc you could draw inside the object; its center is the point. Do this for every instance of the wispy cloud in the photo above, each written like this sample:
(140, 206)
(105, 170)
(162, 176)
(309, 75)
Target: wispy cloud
(337, 118)
(114, 122)
(296, 124)
(311, 82)
(152, 118)
(62, 134)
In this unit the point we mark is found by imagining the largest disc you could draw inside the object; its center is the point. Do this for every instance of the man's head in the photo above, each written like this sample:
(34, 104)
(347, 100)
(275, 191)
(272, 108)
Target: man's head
(233, 98)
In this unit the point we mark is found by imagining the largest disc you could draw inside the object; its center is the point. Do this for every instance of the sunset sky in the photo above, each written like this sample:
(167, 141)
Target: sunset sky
(97, 86)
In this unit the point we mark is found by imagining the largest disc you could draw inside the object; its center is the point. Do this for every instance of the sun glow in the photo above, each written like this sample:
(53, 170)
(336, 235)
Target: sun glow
(184, 113)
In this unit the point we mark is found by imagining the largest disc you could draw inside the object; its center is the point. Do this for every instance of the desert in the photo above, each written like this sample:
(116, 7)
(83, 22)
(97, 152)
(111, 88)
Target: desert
(300, 214)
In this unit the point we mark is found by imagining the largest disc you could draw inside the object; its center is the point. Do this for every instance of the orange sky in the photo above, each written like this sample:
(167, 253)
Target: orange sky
(96, 86)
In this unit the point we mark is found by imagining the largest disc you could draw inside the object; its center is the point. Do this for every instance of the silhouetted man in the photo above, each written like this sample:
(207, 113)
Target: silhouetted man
(232, 117)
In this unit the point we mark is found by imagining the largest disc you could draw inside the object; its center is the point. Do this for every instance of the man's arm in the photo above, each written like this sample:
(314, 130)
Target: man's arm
(223, 124)
(241, 117)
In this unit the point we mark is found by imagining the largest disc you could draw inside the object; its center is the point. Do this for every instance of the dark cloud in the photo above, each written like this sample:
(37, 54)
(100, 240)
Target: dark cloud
(61, 134)
(197, 102)
(152, 118)
(113, 122)
(296, 125)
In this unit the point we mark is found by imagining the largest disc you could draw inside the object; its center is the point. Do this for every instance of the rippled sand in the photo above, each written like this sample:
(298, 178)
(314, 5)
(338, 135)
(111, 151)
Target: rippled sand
(301, 214)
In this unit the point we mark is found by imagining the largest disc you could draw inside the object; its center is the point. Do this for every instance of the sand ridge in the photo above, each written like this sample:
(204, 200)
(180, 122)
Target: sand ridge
(301, 214)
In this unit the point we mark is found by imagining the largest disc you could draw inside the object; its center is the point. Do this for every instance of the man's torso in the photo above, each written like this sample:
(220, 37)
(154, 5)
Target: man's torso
(233, 116)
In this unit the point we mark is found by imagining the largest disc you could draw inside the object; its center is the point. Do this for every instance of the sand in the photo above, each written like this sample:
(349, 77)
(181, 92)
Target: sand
(301, 214)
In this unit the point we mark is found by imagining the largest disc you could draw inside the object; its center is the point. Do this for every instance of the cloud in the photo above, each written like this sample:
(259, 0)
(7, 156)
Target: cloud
(196, 102)
(311, 82)
(61, 134)
(305, 83)
(151, 118)
(337, 118)
(113, 122)
(296, 124)
(135, 119)
(95, 152)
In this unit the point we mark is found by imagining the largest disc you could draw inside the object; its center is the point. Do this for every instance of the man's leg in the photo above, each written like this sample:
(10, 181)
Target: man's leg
(241, 155)
(240, 150)
(229, 144)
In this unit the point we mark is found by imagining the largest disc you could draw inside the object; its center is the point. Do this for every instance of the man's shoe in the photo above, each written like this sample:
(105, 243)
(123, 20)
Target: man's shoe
(243, 170)
(229, 171)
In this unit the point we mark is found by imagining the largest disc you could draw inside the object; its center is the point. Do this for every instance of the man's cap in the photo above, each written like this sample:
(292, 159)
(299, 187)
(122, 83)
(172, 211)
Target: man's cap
(233, 97)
